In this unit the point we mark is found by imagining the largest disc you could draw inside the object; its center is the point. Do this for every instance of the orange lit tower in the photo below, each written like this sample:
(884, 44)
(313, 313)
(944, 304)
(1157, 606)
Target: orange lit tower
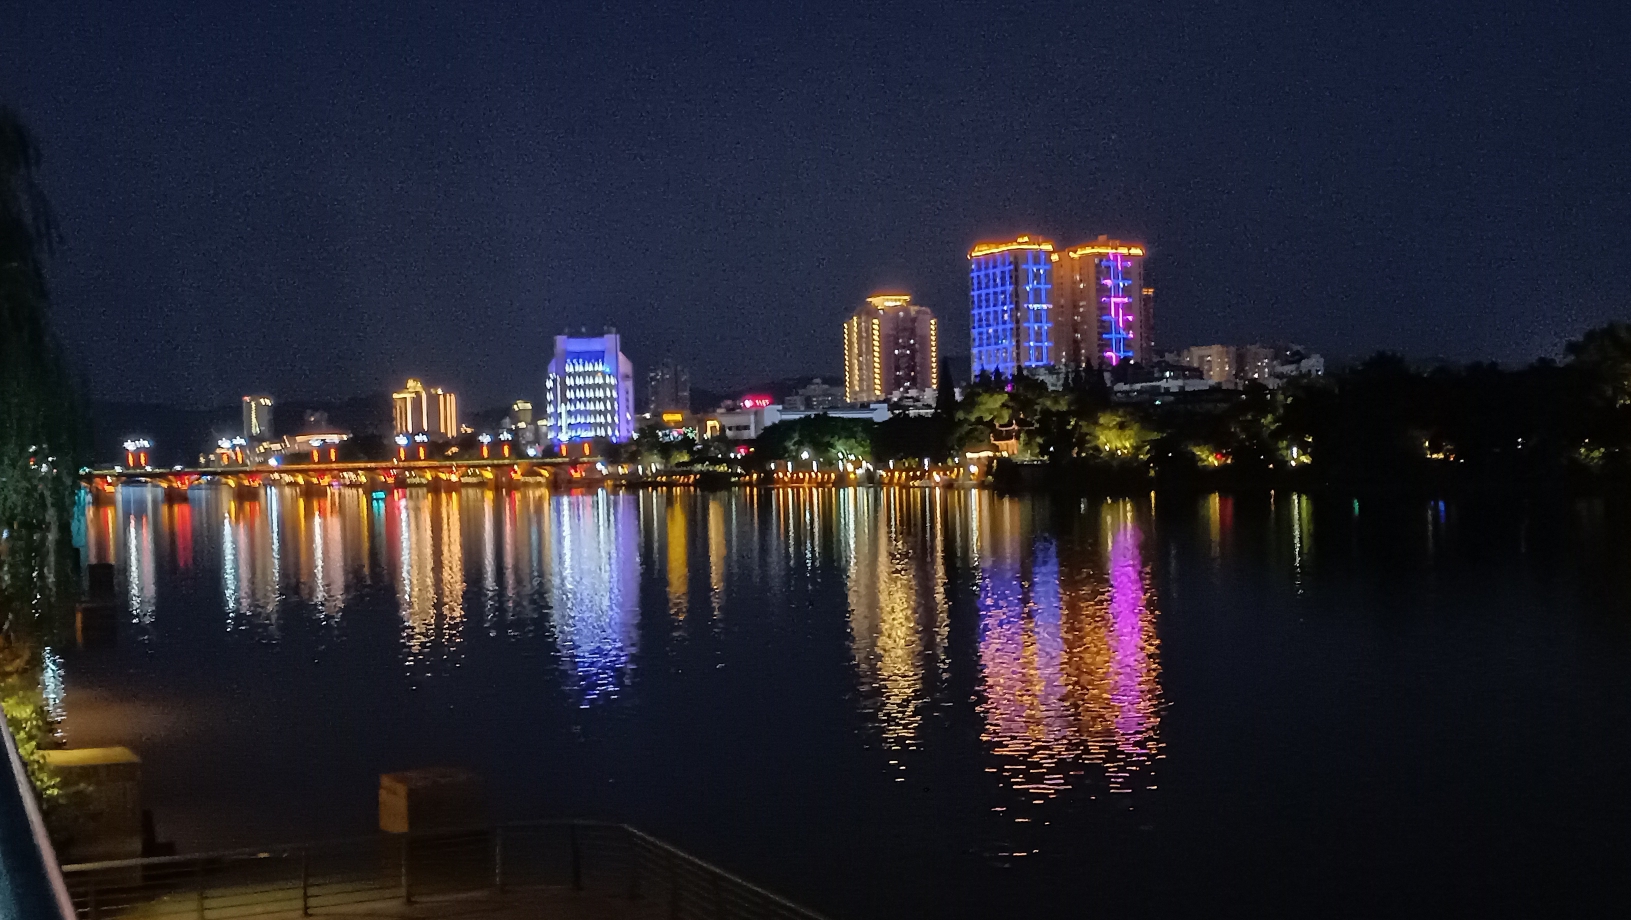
(890, 345)
(1104, 310)
(418, 409)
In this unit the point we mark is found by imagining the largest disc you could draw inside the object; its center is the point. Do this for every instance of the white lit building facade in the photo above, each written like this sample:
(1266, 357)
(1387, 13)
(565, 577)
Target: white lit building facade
(589, 390)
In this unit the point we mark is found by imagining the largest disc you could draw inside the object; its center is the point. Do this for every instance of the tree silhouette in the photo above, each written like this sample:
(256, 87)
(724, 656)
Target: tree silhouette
(42, 433)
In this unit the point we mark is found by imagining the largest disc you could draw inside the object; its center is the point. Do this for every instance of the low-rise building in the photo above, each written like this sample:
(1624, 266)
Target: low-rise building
(815, 397)
(745, 424)
(1233, 365)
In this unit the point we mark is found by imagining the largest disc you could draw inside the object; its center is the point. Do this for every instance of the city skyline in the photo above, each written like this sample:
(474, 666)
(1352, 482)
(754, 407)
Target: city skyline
(301, 181)
(866, 460)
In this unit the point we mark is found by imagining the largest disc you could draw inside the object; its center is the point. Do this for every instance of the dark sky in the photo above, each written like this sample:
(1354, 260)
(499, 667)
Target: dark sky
(312, 201)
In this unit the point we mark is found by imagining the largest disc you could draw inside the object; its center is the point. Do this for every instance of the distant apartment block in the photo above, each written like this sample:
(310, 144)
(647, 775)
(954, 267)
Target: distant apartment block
(431, 411)
(815, 397)
(1235, 364)
(891, 346)
(668, 388)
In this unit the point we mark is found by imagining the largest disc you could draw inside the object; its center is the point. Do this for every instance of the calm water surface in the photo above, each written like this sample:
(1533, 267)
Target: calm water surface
(907, 703)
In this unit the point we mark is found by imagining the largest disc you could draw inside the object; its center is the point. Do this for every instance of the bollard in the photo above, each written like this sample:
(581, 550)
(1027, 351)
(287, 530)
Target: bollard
(305, 885)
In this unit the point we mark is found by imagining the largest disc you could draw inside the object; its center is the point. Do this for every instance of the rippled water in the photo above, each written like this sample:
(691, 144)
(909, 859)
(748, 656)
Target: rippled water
(905, 702)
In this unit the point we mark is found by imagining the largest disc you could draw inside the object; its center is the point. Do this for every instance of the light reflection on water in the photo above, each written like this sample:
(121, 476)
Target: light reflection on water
(1064, 632)
(892, 550)
(904, 685)
(1068, 649)
(593, 574)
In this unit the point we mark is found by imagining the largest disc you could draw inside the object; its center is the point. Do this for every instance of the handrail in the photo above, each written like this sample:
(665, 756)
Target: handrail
(284, 849)
(31, 884)
(601, 859)
(710, 867)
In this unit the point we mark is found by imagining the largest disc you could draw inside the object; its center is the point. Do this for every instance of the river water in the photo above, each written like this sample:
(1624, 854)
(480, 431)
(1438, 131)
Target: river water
(906, 703)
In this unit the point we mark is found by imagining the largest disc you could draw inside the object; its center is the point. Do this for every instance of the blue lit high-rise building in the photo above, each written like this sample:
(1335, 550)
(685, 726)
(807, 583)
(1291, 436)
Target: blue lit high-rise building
(1010, 287)
(589, 390)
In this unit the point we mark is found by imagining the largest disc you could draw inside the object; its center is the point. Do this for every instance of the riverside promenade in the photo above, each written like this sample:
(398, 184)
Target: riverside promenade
(558, 869)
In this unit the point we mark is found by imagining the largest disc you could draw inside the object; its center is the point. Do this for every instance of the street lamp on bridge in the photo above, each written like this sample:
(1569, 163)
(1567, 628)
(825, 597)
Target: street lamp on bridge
(136, 452)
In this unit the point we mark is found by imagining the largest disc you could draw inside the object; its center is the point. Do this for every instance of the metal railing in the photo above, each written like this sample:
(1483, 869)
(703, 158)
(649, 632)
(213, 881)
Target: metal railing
(623, 871)
(30, 883)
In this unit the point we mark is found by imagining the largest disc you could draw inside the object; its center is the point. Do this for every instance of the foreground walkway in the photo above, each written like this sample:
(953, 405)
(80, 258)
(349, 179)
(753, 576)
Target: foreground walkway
(553, 903)
(570, 870)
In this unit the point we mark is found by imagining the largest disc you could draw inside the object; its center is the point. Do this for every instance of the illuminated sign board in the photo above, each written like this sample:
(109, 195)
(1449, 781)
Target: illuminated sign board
(755, 401)
(673, 418)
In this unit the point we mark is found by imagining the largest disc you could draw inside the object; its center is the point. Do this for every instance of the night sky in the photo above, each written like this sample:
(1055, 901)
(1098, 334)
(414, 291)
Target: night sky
(320, 203)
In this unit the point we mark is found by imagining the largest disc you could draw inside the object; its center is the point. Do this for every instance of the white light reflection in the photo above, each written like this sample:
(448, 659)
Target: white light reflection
(594, 581)
(429, 579)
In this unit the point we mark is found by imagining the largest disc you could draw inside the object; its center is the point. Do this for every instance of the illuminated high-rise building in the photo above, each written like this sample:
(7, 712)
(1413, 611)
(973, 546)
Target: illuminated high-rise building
(890, 345)
(669, 388)
(257, 418)
(1010, 291)
(1104, 312)
(589, 389)
(418, 409)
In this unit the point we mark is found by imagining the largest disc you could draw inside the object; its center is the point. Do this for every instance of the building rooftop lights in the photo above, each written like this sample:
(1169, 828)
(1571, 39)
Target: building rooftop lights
(1023, 242)
(1102, 247)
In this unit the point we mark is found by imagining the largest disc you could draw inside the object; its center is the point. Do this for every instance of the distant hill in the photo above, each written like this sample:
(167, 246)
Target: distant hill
(180, 435)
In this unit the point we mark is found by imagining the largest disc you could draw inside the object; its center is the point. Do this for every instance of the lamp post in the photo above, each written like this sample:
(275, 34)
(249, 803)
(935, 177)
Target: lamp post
(136, 452)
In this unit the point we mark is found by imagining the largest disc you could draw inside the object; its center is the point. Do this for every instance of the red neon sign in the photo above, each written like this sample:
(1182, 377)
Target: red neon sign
(755, 401)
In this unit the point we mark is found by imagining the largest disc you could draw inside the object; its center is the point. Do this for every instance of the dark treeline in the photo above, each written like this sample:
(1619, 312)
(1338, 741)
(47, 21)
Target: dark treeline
(1379, 425)
(43, 439)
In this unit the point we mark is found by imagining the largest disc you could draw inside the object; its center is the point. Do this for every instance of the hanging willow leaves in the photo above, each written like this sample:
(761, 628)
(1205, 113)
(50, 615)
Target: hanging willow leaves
(41, 423)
